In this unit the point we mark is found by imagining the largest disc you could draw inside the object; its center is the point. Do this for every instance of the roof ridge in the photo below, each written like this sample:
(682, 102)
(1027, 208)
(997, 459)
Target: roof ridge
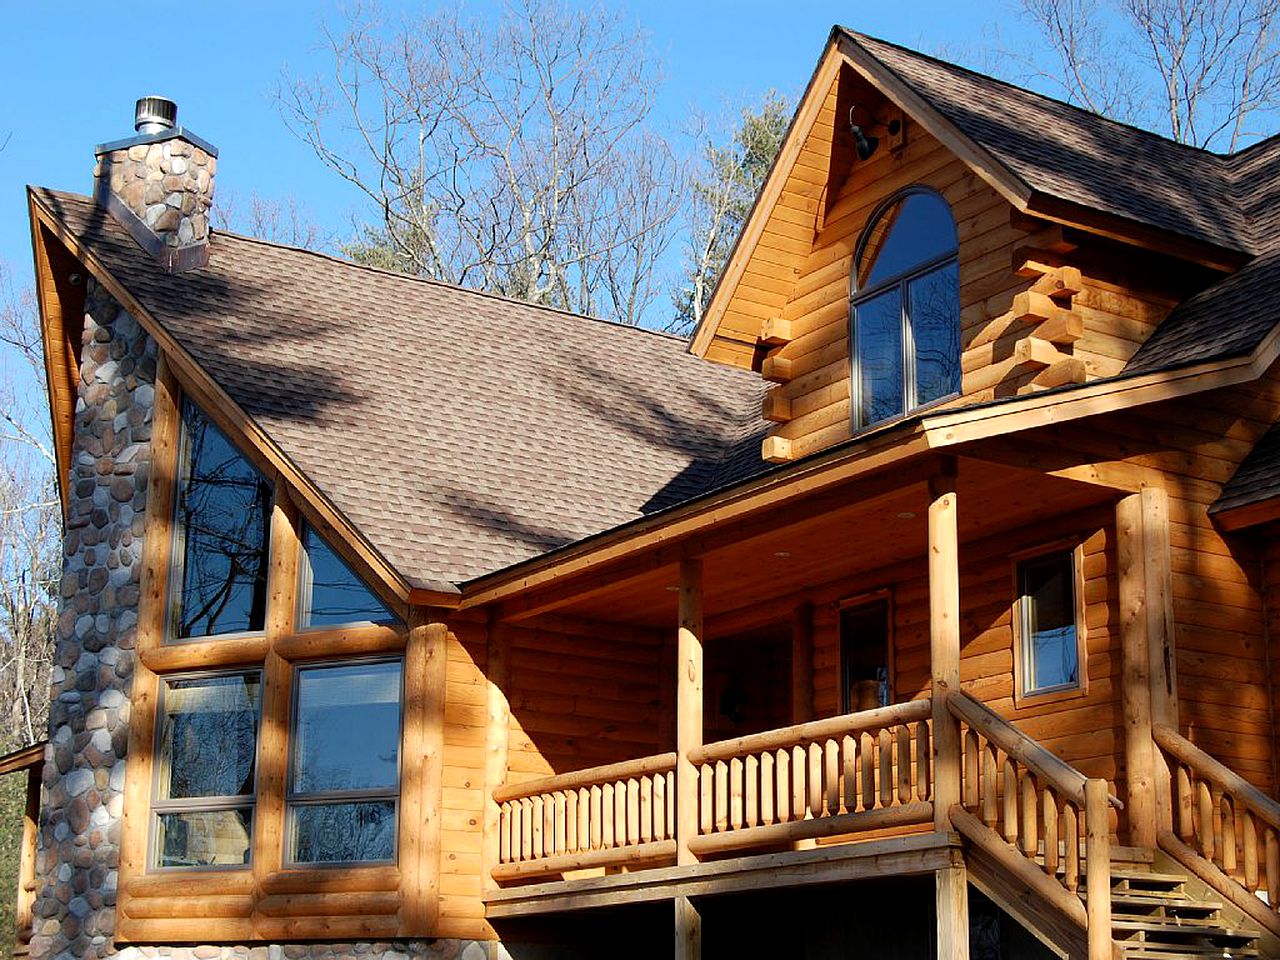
(1212, 154)
(343, 262)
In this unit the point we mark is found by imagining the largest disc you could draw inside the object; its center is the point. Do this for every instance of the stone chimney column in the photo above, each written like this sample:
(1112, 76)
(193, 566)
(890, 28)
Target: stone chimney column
(158, 184)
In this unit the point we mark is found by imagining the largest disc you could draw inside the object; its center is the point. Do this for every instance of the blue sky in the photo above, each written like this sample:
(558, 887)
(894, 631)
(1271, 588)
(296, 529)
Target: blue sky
(72, 71)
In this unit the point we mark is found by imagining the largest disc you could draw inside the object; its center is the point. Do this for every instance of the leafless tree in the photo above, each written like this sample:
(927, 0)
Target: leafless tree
(30, 528)
(1199, 71)
(512, 155)
(278, 220)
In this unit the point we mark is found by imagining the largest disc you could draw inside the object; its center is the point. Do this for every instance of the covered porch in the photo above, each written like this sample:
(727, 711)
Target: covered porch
(846, 789)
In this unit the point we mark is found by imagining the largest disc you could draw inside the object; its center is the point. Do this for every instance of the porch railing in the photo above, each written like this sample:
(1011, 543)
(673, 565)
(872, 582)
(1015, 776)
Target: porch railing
(1227, 831)
(1034, 815)
(851, 773)
(614, 815)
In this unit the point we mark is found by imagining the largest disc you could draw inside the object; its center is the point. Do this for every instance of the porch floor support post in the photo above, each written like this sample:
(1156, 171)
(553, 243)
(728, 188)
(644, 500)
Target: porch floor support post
(688, 709)
(1144, 567)
(951, 883)
(688, 930)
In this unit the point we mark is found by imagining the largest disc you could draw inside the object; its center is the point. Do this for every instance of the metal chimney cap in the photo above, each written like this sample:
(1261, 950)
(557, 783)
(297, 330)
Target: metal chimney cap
(154, 115)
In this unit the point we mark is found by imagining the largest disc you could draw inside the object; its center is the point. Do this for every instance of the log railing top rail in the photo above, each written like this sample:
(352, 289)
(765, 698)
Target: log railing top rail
(1183, 750)
(815, 730)
(1065, 778)
(575, 779)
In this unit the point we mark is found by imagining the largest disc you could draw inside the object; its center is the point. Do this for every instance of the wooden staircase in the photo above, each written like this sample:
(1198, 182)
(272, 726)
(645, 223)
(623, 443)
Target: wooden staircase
(1159, 914)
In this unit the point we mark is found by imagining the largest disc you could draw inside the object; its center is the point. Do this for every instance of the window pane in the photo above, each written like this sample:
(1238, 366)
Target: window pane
(344, 832)
(336, 594)
(935, 329)
(208, 737)
(864, 656)
(915, 230)
(204, 839)
(224, 517)
(1049, 621)
(879, 334)
(347, 733)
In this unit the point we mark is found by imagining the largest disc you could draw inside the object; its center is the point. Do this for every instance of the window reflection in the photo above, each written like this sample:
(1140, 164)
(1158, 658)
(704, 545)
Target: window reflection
(332, 593)
(1048, 622)
(906, 309)
(223, 519)
(345, 777)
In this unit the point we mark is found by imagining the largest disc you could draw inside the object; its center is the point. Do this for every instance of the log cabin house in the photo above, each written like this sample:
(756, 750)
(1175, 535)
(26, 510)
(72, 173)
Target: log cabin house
(921, 605)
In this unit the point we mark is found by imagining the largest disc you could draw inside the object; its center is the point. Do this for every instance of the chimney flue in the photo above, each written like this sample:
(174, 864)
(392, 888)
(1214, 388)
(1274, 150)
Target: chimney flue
(158, 184)
(154, 115)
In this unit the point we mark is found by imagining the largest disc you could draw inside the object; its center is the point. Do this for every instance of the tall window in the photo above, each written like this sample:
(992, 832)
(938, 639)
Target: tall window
(864, 656)
(223, 523)
(906, 309)
(208, 739)
(345, 777)
(1049, 631)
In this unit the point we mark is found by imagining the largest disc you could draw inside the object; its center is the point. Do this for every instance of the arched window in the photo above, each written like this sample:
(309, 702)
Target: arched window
(905, 317)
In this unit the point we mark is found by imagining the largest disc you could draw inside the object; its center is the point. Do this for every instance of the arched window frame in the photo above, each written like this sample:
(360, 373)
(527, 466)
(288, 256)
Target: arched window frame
(902, 282)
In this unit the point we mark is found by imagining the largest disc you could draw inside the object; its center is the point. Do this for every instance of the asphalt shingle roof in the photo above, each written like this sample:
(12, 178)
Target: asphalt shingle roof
(460, 432)
(1257, 478)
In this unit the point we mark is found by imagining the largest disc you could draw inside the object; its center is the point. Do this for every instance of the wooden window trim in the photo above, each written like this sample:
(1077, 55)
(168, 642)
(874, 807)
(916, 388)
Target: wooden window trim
(261, 900)
(1021, 696)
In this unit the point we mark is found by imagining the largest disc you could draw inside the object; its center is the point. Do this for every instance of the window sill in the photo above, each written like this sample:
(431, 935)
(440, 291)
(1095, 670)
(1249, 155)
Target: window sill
(1027, 701)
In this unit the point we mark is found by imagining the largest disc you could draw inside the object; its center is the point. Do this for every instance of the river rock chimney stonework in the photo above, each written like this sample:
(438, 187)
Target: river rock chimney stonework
(159, 185)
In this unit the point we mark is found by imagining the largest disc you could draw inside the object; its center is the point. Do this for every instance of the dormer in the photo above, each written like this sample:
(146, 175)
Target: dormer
(931, 238)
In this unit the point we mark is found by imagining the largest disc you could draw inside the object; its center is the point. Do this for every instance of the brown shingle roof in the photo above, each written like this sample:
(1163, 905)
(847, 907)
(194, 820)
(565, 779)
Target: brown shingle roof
(1257, 478)
(460, 432)
(1076, 155)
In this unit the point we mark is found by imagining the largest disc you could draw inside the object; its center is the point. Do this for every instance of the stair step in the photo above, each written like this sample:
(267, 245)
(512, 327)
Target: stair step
(1196, 925)
(1160, 898)
(1147, 876)
(1152, 952)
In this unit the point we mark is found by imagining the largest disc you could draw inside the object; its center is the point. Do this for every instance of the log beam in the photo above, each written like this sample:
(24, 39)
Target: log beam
(688, 707)
(688, 930)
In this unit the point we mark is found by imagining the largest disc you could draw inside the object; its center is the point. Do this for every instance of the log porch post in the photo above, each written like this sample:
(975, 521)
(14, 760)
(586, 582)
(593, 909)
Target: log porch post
(688, 925)
(1146, 634)
(951, 883)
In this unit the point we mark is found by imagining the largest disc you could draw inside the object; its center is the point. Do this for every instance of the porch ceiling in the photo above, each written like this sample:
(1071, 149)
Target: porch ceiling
(878, 527)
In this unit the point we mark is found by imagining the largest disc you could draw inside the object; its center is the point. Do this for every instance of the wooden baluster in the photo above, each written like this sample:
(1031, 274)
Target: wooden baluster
(782, 778)
(560, 822)
(1049, 803)
(633, 811)
(722, 796)
(539, 827)
(990, 776)
(1010, 801)
(621, 835)
(646, 809)
(972, 771)
(1071, 846)
(735, 793)
(1208, 834)
(849, 756)
(924, 760)
(768, 789)
(751, 784)
(584, 819)
(867, 757)
(799, 796)
(1227, 815)
(671, 804)
(526, 828)
(660, 807)
(904, 764)
(706, 799)
(1030, 816)
(1249, 831)
(815, 779)
(504, 832)
(1273, 867)
(1215, 795)
(1186, 800)
(607, 819)
(831, 754)
(597, 816)
(886, 768)
(571, 821)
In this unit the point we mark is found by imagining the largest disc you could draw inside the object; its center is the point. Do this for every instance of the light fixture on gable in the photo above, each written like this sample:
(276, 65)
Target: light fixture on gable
(864, 144)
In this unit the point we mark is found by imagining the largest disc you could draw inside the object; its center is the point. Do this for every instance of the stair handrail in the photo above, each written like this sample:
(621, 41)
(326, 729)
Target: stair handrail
(1178, 746)
(1069, 781)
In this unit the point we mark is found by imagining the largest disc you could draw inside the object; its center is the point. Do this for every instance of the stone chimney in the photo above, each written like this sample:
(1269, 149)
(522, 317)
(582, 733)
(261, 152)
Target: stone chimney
(159, 185)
